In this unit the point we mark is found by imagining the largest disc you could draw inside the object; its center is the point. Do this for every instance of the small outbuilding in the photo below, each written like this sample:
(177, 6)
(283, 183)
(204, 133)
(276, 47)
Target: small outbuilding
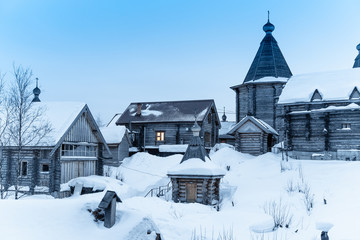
(196, 178)
(108, 203)
(254, 136)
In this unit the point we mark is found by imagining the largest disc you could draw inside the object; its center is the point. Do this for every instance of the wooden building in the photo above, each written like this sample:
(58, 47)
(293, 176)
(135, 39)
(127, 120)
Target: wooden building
(322, 115)
(226, 126)
(156, 124)
(117, 138)
(258, 94)
(73, 148)
(196, 178)
(253, 136)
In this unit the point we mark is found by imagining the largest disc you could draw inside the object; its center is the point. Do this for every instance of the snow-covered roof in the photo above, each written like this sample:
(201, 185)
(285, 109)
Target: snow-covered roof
(351, 106)
(197, 167)
(172, 111)
(174, 148)
(113, 134)
(60, 115)
(258, 122)
(226, 127)
(336, 85)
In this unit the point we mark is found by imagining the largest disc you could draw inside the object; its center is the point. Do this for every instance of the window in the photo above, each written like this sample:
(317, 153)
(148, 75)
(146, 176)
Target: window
(346, 126)
(23, 168)
(79, 150)
(44, 167)
(160, 136)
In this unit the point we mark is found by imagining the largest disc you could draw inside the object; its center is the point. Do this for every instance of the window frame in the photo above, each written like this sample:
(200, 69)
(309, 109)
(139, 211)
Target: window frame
(345, 126)
(79, 150)
(21, 170)
(42, 168)
(160, 136)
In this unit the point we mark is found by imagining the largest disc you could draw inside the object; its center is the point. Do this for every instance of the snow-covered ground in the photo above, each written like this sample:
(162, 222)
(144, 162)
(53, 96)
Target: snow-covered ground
(250, 185)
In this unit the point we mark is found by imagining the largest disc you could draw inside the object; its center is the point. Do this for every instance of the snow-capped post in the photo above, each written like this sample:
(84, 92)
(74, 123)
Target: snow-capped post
(108, 203)
(324, 227)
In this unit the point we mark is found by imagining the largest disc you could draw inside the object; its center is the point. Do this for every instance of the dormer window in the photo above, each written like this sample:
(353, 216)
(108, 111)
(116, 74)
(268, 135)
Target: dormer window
(316, 96)
(355, 94)
(345, 126)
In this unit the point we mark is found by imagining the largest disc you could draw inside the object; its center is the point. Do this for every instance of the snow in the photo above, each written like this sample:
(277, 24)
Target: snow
(60, 116)
(113, 134)
(351, 106)
(197, 167)
(250, 183)
(226, 127)
(175, 148)
(268, 79)
(146, 112)
(335, 85)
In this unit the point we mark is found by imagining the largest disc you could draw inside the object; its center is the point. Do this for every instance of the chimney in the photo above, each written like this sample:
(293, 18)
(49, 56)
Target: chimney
(138, 111)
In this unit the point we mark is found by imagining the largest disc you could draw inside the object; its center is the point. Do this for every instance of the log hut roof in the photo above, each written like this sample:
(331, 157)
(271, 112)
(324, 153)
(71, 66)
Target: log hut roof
(171, 111)
(108, 197)
(257, 122)
(340, 85)
(61, 116)
(268, 61)
(196, 161)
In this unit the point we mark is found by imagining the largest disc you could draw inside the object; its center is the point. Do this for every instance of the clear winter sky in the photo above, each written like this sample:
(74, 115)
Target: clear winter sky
(111, 53)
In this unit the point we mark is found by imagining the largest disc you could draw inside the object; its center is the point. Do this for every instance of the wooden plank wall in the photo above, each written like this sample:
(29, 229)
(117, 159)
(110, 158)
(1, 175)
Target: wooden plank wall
(81, 131)
(77, 168)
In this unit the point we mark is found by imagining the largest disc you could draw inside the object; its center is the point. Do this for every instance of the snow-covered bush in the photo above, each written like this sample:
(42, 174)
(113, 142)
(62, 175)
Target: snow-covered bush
(224, 235)
(291, 186)
(280, 213)
(308, 198)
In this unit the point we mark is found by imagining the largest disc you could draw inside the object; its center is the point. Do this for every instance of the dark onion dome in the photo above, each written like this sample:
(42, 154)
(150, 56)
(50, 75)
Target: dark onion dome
(36, 91)
(357, 59)
(268, 27)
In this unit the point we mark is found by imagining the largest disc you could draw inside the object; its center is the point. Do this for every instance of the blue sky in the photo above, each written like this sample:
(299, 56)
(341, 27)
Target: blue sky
(111, 53)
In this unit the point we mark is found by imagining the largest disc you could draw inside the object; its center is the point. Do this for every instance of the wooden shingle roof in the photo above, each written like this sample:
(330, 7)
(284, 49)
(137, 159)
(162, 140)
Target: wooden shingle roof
(171, 111)
(269, 61)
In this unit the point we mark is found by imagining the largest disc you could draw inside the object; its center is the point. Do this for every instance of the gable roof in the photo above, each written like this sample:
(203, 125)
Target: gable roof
(62, 116)
(258, 122)
(268, 61)
(333, 86)
(172, 111)
(114, 134)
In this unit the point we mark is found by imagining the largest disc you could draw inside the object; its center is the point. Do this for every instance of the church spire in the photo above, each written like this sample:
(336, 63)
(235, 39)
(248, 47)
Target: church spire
(36, 92)
(269, 61)
(357, 59)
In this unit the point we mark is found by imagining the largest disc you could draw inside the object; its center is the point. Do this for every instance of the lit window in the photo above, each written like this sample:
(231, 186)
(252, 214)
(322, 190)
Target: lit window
(160, 136)
(346, 126)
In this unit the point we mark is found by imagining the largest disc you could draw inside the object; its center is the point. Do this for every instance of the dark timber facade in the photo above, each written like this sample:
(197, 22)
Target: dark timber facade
(258, 94)
(152, 124)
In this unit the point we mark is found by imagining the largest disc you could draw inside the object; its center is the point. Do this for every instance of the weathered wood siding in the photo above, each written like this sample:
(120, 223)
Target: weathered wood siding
(77, 168)
(311, 133)
(207, 189)
(259, 100)
(34, 158)
(81, 131)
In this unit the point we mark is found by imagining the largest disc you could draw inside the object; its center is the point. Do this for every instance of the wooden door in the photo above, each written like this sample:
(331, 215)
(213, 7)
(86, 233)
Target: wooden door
(190, 192)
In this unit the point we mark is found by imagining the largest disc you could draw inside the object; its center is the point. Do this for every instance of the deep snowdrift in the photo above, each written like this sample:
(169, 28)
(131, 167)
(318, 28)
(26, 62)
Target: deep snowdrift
(250, 185)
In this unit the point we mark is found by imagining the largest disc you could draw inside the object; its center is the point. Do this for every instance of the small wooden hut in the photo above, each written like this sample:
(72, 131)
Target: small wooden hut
(196, 178)
(253, 136)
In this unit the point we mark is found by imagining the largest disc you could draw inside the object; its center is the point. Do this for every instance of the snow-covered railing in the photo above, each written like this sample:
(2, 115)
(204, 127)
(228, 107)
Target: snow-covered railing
(159, 191)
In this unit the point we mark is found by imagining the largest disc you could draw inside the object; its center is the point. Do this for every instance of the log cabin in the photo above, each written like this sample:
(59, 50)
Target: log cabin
(74, 148)
(164, 128)
(321, 115)
(253, 136)
(258, 94)
(196, 178)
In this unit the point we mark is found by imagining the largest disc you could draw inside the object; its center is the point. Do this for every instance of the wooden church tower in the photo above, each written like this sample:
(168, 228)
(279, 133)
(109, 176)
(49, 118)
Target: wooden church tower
(258, 94)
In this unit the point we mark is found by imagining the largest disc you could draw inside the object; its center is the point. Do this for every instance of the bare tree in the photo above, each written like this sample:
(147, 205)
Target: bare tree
(4, 122)
(27, 127)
